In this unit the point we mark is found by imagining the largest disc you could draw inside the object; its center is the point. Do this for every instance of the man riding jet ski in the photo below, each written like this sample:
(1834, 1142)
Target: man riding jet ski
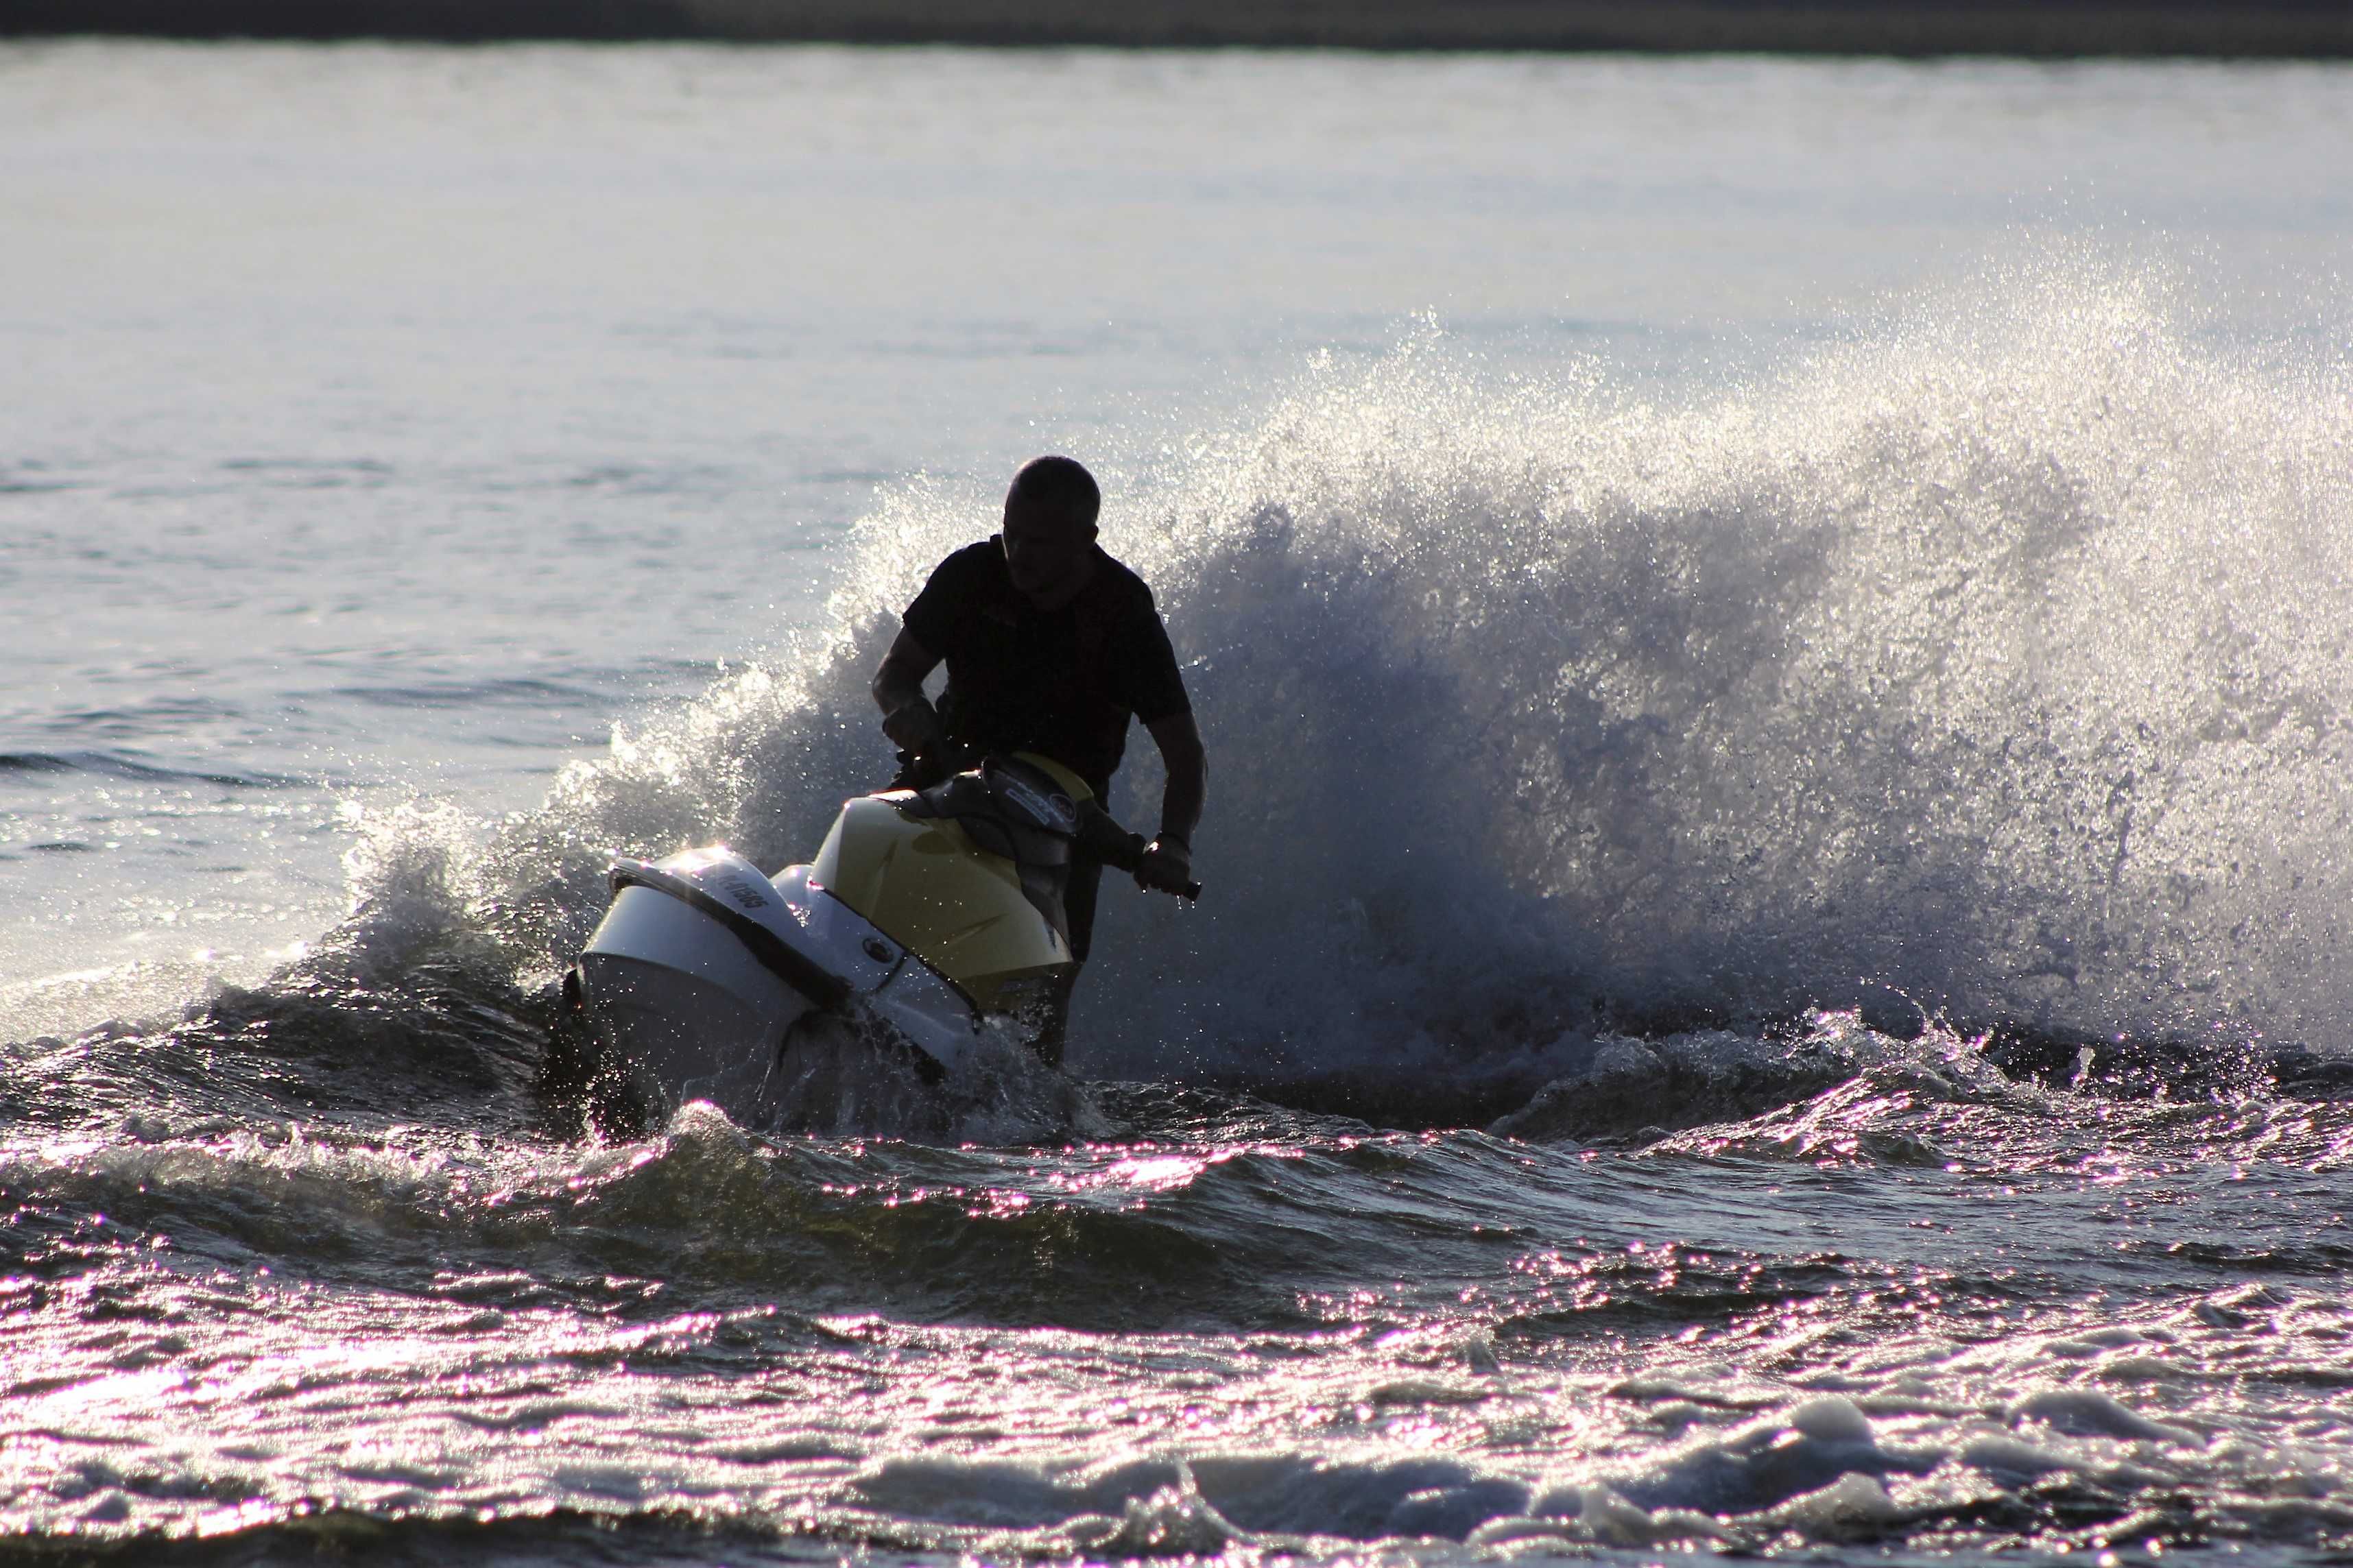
(1051, 646)
(962, 892)
(925, 915)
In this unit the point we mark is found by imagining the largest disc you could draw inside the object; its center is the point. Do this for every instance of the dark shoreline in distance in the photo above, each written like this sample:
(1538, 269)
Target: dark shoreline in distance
(2034, 29)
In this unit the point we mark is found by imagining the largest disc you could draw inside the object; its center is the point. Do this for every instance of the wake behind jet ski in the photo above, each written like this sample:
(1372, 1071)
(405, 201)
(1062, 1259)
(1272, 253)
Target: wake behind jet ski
(927, 917)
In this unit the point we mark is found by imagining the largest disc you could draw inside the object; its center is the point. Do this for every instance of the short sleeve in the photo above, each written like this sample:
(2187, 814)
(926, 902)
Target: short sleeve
(1145, 666)
(937, 616)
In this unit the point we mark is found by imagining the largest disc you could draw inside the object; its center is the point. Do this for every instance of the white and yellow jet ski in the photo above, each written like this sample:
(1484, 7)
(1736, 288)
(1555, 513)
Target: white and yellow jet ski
(927, 917)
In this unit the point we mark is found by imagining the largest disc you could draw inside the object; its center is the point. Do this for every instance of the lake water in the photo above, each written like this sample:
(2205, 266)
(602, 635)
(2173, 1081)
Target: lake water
(1773, 641)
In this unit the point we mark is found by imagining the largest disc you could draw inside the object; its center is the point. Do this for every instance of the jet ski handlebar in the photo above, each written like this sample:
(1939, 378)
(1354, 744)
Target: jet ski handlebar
(1097, 834)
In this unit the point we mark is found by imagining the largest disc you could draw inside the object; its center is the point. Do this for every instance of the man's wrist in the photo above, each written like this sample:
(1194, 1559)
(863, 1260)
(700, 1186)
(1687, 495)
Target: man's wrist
(917, 709)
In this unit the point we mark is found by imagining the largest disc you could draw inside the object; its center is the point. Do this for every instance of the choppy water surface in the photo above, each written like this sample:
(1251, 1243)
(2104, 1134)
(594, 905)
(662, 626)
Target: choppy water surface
(1771, 976)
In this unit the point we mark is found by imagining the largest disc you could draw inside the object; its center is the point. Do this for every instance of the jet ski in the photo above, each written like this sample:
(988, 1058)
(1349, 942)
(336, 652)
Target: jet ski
(927, 917)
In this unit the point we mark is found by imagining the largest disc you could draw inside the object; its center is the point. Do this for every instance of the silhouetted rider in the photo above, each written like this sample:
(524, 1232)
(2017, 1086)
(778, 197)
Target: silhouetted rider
(1051, 646)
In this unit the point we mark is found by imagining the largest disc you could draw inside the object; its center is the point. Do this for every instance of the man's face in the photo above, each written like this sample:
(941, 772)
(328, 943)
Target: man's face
(1045, 552)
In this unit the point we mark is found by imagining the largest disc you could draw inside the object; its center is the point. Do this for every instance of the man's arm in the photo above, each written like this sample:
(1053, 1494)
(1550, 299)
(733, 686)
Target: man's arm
(1189, 774)
(1168, 864)
(907, 714)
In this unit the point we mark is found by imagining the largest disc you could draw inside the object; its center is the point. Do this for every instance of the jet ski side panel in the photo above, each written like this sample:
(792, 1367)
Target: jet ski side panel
(893, 985)
(673, 995)
(703, 968)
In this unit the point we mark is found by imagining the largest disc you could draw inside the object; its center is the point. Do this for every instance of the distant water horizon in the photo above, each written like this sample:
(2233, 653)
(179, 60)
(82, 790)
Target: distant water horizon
(2039, 29)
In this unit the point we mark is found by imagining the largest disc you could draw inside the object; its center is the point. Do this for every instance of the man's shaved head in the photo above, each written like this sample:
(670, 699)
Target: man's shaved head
(1060, 485)
(1049, 530)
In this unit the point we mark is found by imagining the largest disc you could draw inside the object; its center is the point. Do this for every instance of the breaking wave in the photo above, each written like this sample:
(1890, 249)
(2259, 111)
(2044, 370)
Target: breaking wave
(1990, 664)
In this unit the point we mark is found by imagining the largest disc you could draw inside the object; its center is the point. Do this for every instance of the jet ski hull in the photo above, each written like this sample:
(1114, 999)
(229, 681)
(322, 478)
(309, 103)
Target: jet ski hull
(694, 986)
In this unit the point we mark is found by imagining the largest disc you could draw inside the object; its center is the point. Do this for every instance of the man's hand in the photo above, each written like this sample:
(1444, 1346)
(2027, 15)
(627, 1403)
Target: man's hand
(908, 717)
(1166, 867)
(913, 726)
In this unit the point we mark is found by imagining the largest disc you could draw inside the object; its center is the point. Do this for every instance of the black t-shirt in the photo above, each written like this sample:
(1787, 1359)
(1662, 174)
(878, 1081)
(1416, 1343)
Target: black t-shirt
(1064, 681)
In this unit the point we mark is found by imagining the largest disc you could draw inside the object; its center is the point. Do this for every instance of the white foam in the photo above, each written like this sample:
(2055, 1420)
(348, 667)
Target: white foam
(1998, 654)
(2083, 1412)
